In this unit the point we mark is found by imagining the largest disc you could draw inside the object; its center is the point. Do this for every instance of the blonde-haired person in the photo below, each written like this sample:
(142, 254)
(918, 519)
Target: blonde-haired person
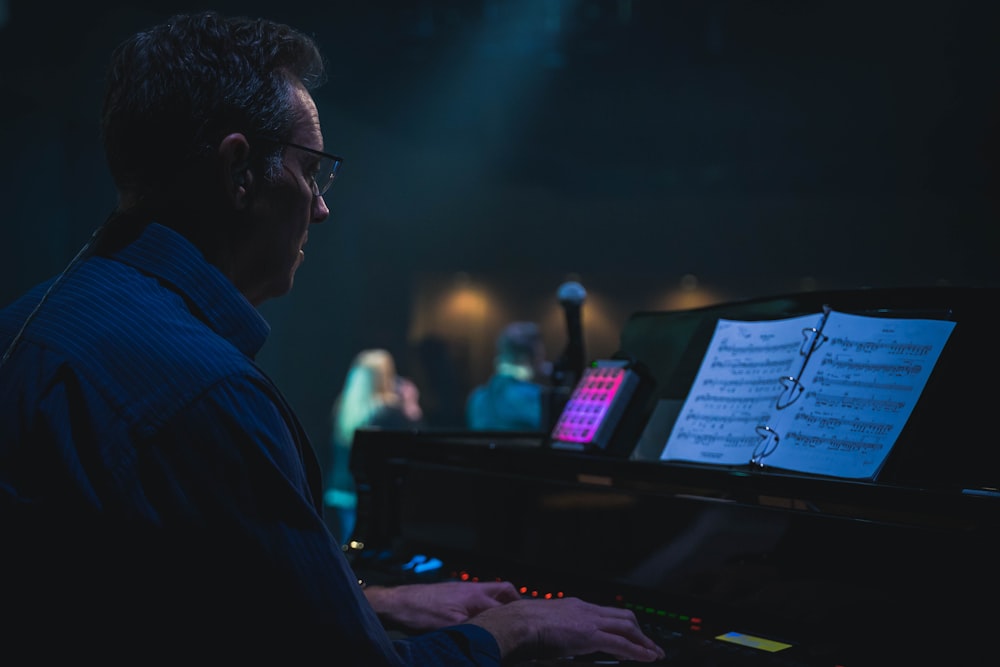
(373, 395)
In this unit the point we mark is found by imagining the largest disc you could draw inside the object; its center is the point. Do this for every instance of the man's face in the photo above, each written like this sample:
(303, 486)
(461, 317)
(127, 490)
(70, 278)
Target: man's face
(281, 212)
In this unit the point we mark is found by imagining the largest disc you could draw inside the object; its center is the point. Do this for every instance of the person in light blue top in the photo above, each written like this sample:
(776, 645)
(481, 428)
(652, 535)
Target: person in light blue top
(512, 399)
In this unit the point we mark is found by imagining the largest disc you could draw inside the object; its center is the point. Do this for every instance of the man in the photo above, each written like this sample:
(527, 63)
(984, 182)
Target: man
(153, 480)
(512, 398)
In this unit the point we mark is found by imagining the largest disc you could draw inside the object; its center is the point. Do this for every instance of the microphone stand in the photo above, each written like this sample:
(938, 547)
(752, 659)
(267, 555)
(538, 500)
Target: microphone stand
(569, 368)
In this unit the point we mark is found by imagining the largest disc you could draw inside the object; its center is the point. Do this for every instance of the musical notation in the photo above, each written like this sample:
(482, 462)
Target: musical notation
(827, 393)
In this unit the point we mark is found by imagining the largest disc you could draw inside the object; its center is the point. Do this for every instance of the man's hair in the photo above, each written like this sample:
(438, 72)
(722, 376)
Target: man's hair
(178, 88)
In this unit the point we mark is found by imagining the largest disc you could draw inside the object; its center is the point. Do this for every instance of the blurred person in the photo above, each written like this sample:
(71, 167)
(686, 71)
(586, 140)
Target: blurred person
(373, 395)
(157, 491)
(512, 399)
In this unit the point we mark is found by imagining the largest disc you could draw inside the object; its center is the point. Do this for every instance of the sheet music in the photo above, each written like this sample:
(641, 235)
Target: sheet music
(819, 394)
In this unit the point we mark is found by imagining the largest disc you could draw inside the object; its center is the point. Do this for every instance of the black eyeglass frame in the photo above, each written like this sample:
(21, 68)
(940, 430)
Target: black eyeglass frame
(334, 162)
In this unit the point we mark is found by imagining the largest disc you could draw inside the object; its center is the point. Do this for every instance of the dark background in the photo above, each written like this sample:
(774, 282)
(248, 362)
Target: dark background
(762, 146)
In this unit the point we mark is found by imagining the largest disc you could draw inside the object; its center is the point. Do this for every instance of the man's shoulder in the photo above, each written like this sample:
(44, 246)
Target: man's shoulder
(133, 339)
(131, 315)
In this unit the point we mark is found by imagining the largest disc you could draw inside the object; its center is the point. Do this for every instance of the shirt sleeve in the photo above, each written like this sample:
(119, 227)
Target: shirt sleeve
(246, 467)
(232, 461)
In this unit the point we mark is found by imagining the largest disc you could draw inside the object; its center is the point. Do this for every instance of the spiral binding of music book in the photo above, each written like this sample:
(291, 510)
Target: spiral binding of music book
(812, 338)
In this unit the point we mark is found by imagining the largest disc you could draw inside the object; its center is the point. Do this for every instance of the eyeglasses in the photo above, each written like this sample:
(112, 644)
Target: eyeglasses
(325, 170)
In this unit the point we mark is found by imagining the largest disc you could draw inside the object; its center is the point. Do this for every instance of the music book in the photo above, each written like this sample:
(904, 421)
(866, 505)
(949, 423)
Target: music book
(825, 394)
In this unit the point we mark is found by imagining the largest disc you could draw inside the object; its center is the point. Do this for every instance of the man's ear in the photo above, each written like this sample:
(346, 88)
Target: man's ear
(234, 169)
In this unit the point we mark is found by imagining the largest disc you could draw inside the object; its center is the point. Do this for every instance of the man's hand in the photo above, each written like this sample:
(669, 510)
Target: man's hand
(423, 607)
(566, 627)
(525, 628)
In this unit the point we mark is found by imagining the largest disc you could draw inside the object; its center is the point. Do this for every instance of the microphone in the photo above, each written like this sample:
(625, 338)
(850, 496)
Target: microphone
(569, 368)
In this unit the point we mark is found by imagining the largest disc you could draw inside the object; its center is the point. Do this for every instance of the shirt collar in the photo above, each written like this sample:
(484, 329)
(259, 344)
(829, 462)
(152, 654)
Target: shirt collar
(211, 296)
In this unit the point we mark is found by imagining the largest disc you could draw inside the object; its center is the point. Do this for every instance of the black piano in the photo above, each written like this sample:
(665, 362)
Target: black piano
(723, 565)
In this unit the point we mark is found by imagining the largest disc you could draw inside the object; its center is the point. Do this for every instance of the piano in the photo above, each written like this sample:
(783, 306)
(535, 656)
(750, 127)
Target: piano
(723, 565)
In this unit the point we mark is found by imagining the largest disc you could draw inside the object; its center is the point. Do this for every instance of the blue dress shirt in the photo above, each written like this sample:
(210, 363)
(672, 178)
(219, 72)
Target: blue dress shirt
(151, 470)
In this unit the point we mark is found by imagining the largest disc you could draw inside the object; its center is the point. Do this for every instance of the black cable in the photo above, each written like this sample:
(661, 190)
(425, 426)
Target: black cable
(77, 259)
